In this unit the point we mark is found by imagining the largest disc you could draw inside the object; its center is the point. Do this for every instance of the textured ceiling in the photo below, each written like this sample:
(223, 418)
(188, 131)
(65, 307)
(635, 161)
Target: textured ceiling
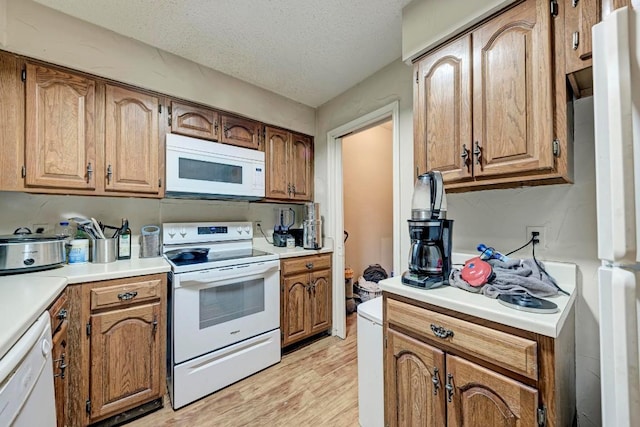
(306, 50)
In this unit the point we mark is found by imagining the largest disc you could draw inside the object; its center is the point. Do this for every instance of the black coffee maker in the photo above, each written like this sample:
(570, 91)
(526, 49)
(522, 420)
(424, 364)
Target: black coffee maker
(430, 232)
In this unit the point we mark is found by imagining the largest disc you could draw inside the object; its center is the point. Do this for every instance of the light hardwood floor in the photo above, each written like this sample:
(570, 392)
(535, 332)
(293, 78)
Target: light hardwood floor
(316, 385)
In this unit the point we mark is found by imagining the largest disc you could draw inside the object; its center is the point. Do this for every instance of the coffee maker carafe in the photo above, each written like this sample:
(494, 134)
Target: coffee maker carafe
(430, 232)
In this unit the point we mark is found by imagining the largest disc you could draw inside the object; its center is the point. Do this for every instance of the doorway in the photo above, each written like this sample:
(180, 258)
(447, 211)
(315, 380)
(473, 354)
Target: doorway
(335, 203)
(367, 179)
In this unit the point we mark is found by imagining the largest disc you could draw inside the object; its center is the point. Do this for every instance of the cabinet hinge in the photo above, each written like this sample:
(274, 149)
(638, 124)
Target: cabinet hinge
(24, 75)
(88, 328)
(169, 115)
(24, 171)
(554, 8)
(159, 108)
(88, 406)
(417, 81)
(556, 148)
(542, 416)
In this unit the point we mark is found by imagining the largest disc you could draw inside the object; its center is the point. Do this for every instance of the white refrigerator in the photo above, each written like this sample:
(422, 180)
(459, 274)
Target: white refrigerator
(616, 78)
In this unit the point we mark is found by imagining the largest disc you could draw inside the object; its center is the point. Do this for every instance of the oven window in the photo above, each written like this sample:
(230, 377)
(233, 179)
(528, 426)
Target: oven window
(225, 303)
(209, 171)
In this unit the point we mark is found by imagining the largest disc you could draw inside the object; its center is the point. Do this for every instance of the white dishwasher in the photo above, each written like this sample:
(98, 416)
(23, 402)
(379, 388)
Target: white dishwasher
(370, 369)
(26, 379)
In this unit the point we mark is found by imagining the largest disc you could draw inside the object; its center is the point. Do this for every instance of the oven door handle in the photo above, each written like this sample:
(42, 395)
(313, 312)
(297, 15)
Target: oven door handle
(221, 275)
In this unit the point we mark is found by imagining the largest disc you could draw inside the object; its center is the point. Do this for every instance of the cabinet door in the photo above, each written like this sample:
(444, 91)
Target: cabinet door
(11, 123)
(320, 304)
(482, 397)
(301, 167)
(197, 122)
(579, 17)
(442, 102)
(131, 141)
(414, 383)
(60, 376)
(295, 308)
(240, 131)
(276, 158)
(512, 92)
(125, 359)
(60, 149)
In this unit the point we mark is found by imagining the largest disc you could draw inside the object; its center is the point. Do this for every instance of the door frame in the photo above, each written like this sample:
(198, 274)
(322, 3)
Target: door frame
(335, 201)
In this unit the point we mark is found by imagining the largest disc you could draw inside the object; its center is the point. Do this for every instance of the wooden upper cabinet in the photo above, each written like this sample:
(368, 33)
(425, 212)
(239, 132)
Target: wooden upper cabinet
(60, 146)
(301, 167)
(131, 141)
(240, 131)
(442, 124)
(513, 92)
(579, 17)
(125, 359)
(415, 380)
(12, 100)
(198, 122)
(276, 157)
(485, 398)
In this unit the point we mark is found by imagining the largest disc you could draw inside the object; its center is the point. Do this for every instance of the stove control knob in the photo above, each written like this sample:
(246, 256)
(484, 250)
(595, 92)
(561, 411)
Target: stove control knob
(239, 230)
(172, 233)
(183, 232)
(247, 229)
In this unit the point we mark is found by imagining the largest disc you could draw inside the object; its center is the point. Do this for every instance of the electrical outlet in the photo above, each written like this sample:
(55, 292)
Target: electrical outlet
(46, 228)
(541, 230)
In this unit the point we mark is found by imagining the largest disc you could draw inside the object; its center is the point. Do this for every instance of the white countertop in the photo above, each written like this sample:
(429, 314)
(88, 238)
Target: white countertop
(24, 297)
(478, 305)
(261, 243)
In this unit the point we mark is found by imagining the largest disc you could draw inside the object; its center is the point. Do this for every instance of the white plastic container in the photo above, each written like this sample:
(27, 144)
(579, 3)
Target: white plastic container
(78, 251)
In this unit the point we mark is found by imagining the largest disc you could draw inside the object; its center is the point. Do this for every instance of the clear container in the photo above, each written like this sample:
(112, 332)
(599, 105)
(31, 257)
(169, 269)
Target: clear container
(64, 229)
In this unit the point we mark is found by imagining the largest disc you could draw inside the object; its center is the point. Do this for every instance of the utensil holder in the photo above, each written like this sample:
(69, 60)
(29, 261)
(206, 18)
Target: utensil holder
(104, 250)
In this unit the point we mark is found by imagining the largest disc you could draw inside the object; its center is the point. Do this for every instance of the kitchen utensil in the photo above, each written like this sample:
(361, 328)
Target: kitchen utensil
(104, 250)
(97, 228)
(25, 252)
(526, 302)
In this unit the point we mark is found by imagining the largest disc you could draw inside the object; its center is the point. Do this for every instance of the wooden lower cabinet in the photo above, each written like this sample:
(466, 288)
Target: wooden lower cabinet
(305, 298)
(58, 313)
(120, 333)
(434, 376)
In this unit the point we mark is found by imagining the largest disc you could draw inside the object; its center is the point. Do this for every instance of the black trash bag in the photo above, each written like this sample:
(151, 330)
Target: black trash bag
(374, 273)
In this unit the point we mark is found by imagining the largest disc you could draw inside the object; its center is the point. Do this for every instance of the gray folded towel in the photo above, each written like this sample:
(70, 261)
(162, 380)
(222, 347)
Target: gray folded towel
(513, 277)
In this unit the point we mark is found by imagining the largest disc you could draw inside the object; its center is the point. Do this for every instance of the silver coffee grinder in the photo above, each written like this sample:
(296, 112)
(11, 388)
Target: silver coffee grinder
(430, 232)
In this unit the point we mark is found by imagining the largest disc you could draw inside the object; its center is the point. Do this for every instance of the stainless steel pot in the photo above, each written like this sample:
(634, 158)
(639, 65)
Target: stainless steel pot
(24, 252)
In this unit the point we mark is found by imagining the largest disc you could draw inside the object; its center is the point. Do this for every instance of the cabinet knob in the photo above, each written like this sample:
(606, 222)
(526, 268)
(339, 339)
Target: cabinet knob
(63, 314)
(109, 174)
(309, 265)
(576, 40)
(127, 296)
(435, 379)
(466, 160)
(449, 387)
(477, 151)
(89, 172)
(441, 332)
(574, 3)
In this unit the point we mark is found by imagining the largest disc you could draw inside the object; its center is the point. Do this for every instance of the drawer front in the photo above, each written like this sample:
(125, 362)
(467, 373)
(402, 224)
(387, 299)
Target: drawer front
(517, 354)
(125, 293)
(59, 311)
(307, 263)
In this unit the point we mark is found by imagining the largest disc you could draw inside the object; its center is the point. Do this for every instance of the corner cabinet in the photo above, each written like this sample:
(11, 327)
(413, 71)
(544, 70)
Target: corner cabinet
(289, 163)
(120, 331)
(484, 104)
(305, 298)
(447, 369)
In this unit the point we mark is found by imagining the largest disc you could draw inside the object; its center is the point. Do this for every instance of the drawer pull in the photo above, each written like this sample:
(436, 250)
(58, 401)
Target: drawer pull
(449, 387)
(62, 365)
(62, 314)
(435, 379)
(127, 296)
(309, 265)
(441, 332)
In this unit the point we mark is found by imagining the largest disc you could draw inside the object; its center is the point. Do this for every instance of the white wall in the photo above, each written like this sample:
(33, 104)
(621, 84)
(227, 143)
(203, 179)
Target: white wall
(39, 32)
(367, 174)
(499, 217)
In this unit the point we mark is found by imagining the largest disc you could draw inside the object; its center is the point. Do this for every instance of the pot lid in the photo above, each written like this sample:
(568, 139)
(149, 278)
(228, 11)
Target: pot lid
(28, 238)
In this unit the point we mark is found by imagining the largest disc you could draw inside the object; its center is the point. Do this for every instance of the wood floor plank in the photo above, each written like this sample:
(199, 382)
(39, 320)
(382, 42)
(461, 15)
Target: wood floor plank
(316, 385)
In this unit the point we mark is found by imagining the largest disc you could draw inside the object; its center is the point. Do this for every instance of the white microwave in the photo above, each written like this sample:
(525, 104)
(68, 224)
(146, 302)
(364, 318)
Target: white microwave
(200, 169)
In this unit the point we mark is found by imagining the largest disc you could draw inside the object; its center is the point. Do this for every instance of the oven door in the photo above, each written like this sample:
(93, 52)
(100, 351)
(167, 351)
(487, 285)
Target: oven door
(212, 170)
(218, 307)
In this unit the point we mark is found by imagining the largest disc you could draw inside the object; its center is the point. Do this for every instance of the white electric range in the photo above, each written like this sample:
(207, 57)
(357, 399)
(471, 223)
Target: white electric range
(224, 307)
